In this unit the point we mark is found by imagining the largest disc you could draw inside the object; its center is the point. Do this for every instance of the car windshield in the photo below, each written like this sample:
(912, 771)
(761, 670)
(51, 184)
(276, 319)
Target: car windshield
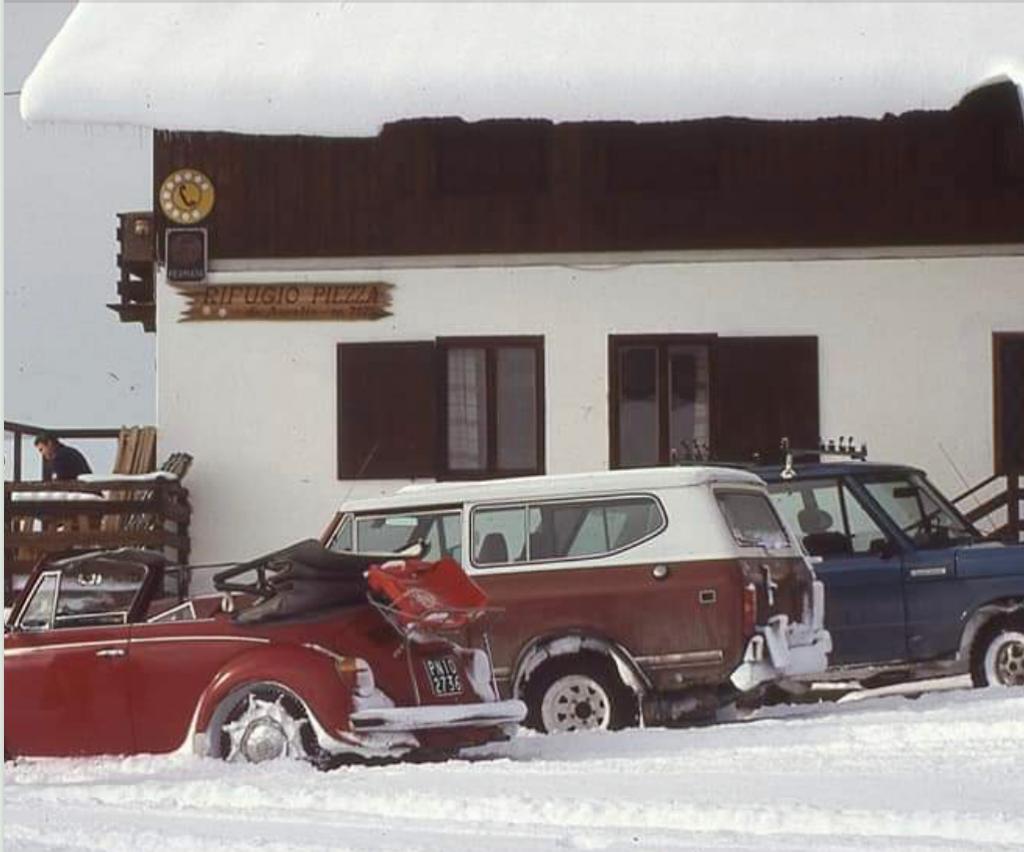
(918, 509)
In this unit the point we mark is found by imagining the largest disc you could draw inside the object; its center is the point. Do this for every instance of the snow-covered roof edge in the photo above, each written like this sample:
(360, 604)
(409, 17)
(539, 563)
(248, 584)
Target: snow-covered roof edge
(331, 69)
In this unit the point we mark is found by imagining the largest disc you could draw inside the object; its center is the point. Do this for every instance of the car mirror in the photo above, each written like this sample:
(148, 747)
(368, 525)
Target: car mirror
(882, 547)
(905, 492)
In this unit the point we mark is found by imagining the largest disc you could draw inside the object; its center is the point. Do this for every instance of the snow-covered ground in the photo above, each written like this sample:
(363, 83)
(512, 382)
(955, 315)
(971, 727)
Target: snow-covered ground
(944, 771)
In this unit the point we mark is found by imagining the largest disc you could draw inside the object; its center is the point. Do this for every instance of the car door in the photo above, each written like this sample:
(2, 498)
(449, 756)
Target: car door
(65, 690)
(175, 657)
(859, 564)
(935, 596)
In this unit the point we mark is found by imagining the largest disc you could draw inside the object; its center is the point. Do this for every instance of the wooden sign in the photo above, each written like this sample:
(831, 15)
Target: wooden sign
(364, 301)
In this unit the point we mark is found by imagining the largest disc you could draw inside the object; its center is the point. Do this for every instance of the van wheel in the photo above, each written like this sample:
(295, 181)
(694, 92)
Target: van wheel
(581, 693)
(263, 723)
(997, 658)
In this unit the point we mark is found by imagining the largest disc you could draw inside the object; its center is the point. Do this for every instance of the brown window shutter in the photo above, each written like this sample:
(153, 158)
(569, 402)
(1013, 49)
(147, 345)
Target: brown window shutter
(387, 397)
(763, 389)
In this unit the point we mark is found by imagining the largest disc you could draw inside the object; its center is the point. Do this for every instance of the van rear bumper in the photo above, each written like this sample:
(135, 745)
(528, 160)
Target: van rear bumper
(781, 650)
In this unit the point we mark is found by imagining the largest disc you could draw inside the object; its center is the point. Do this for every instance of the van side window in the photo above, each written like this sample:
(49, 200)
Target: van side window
(440, 531)
(563, 530)
(752, 520)
(574, 530)
(499, 536)
(343, 536)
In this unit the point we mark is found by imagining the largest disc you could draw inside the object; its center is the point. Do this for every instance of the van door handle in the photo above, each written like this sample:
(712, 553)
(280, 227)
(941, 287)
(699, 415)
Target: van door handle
(707, 596)
(110, 652)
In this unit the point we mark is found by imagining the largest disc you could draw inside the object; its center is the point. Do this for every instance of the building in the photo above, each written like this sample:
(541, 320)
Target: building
(340, 314)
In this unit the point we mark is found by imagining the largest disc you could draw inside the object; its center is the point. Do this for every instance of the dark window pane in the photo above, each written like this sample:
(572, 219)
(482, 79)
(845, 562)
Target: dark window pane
(517, 408)
(638, 406)
(467, 409)
(689, 413)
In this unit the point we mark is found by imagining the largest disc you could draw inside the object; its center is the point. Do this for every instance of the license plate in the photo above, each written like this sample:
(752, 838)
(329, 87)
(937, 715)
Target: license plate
(444, 676)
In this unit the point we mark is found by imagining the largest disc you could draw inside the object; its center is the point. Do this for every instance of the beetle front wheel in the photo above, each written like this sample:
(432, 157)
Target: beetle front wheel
(264, 723)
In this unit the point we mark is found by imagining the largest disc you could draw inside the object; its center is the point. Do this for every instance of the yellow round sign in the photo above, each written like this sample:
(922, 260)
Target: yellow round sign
(186, 196)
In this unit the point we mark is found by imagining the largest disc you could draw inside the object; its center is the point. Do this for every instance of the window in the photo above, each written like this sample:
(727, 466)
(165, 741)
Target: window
(560, 530)
(342, 540)
(440, 532)
(182, 612)
(460, 408)
(679, 397)
(98, 592)
(752, 520)
(828, 517)
(917, 509)
(39, 609)
(493, 406)
(499, 536)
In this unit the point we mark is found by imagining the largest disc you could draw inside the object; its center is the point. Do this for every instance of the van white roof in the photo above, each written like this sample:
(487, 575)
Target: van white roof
(547, 487)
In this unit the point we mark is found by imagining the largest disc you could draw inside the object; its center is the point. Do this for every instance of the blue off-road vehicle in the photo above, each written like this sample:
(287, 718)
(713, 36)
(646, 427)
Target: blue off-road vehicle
(912, 589)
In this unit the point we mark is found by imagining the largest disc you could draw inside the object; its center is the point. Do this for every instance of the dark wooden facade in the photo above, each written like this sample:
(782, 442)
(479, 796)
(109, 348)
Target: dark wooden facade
(443, 186)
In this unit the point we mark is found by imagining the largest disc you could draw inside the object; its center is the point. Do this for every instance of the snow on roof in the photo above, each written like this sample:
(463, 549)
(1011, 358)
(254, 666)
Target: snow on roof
(345, 69)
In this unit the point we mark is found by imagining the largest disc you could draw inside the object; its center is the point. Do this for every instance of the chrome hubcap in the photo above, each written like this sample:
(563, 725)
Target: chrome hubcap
(1004, 662)
(575, 703)
(265, 731)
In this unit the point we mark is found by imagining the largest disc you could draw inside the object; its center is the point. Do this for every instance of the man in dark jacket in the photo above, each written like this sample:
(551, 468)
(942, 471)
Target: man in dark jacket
(64, 462)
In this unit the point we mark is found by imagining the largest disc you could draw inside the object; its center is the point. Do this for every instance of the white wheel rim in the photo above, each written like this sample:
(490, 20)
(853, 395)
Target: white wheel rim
(575, 703)
(265, 731)
(1004, 659)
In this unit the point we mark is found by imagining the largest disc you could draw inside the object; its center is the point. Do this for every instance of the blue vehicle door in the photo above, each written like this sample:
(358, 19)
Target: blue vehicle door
(935, 597)
(860, 566)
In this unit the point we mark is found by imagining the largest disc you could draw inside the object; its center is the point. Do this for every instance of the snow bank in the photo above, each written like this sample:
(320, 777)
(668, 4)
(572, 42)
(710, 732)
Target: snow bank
(347, 68)
(942, 772)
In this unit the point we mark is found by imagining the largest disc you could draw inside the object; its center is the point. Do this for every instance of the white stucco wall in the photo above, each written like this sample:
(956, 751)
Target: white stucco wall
(905, 348)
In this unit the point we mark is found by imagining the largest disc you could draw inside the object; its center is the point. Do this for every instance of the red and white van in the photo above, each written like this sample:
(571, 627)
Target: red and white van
(653, 594)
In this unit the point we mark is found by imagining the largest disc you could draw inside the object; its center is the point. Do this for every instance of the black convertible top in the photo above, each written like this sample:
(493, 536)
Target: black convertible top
(302, 579)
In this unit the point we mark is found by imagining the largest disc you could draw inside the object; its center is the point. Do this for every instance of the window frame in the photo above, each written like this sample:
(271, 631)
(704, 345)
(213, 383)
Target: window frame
(661, 343)
(490, 345)
(526, 505)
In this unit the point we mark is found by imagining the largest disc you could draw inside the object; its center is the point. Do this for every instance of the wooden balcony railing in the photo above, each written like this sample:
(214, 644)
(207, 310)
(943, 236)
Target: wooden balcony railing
(995, 506)
(47, 519)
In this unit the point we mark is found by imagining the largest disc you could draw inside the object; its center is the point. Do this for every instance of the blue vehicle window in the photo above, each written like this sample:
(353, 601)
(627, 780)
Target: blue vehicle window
(827, 516)
(919, 511)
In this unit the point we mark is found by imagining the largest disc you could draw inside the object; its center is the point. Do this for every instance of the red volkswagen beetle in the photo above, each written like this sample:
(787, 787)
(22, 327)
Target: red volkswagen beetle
(302, 653)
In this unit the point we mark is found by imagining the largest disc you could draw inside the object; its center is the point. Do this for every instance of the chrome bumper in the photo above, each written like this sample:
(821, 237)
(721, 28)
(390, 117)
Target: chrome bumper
(433, 717)
(781, 650)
